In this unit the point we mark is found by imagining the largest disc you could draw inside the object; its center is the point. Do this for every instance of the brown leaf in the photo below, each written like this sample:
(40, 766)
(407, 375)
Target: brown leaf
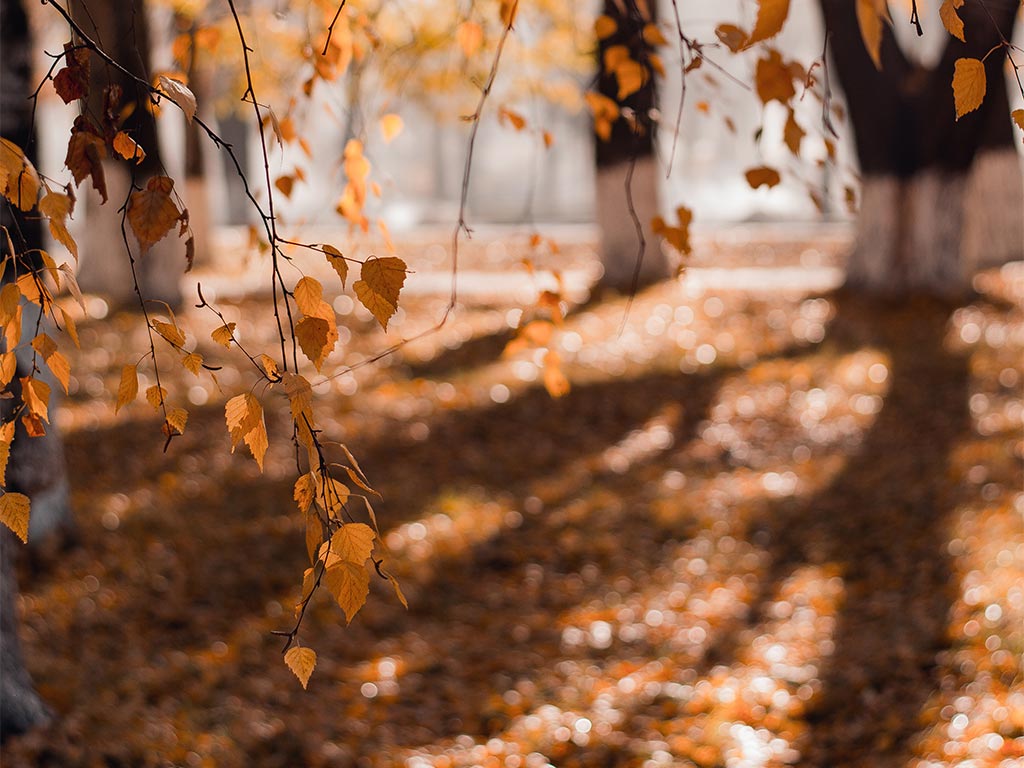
(56, 207)
(86, 151)
(72, 81)
(152, 213)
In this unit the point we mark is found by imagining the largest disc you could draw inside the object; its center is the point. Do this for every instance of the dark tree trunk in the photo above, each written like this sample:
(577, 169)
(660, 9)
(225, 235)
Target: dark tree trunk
(20, 706)
(122, 31)
(940, 197)
(627, 156)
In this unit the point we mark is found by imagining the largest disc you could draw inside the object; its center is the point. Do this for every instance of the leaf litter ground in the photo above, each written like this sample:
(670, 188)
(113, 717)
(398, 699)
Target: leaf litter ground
(764, 528)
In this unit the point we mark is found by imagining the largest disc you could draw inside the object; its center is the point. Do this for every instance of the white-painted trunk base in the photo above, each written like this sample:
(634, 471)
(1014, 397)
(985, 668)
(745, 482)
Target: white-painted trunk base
(933, 232)
(104, 267)
(620, 245)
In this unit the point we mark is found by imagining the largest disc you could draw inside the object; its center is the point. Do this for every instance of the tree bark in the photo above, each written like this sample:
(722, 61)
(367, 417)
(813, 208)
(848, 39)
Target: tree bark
(941, 198)
(20, 705)
(122, 30)
(627, 172)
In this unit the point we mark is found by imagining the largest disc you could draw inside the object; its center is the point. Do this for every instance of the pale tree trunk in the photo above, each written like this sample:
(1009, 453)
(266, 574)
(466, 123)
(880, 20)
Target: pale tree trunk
(941, 198)
(627, 159)
(122, 30)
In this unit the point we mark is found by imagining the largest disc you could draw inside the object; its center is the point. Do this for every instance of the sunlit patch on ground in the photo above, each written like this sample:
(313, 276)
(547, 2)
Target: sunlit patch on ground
(764, 528)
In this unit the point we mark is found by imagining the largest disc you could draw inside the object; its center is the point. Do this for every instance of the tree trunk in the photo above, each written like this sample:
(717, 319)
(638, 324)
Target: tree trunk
(20, 706)
(941, 198)
(626, 161)
(122, 30)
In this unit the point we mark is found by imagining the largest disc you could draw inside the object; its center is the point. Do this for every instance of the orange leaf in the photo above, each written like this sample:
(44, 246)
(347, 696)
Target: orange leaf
(968, 85)
(128, 148)
(381, 280)
(152, 213)
(301, 661)
(14, 512)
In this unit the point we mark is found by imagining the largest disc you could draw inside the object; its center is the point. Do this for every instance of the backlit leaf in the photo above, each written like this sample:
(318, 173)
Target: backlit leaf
(353, 542)
(968, 85)
(301, 662)
(128, 389)
(57, 207)
(242, 414)
(128, 148)
(36, 395)
(304, 491)
(312, 333)
(337, 261)
(308, 295)
(6, 439)
(156, 396)
(179, 93)
(223, 334)
(192, 362)
(349, 584)
(177, 418)
(390, 126)
(170, 332)
(14, 512)
(19, 182)
(870, 19)
(86, 151)
(379, 286)
(152, 213)
(398, 590)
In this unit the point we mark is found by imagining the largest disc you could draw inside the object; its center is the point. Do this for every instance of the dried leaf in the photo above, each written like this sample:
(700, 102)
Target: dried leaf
(301, 662)
(349, 584)
(379, 286)
(128, 148)
(57, 207)
(337, 261)
(353, 542)
(152, 213)
(223, 334)
(193, 362)
(177, 418)
(308, 295)
(72, 81)
(771, 16)
(128, 389)
(6, 439)
(968, 85)
(951, 19)
(156, 396)
(305, 491)
(313, 334)
(36, 395)
(14, 512)
(19, 182)
(179, 93)
(171, 333)
(763, 176)
(398, 590)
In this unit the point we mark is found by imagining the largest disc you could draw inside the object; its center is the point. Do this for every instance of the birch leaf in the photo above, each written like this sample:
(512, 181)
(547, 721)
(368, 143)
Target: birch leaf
(14, 512)
(968, 85)
(301, 661)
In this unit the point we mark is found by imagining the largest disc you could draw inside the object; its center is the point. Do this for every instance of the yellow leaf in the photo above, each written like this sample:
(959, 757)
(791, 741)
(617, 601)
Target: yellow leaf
(128, 148)
(631, 76)
(60, 368)
(6, 439)
(192, 362)
(177, 418)
(72, 284)
(331, 495)
(258, 442)
(269, 366)
(771, 16)
(156, 396)
(308, 295)
(653, 36)
(57, 207)
(398, 590)
(968, 85)
(152, 213)
(8, 367)
(300, 394)
(19, 181)
(14, 511)
(313, 334)
(390, 126)
(242, 414)
(605, 26)
(951, 19)
(353, 542)
(305, 490)
(128, 389)
(301, 662)
(470, 37)
(69, 326)
(36, 395)
(870, 21)
(170, 332)
(337, 261)
(379, 286)
(762, 175)
(314, 534)
(223, 334)
(517, 120)
(349, 584)
(554, 380)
